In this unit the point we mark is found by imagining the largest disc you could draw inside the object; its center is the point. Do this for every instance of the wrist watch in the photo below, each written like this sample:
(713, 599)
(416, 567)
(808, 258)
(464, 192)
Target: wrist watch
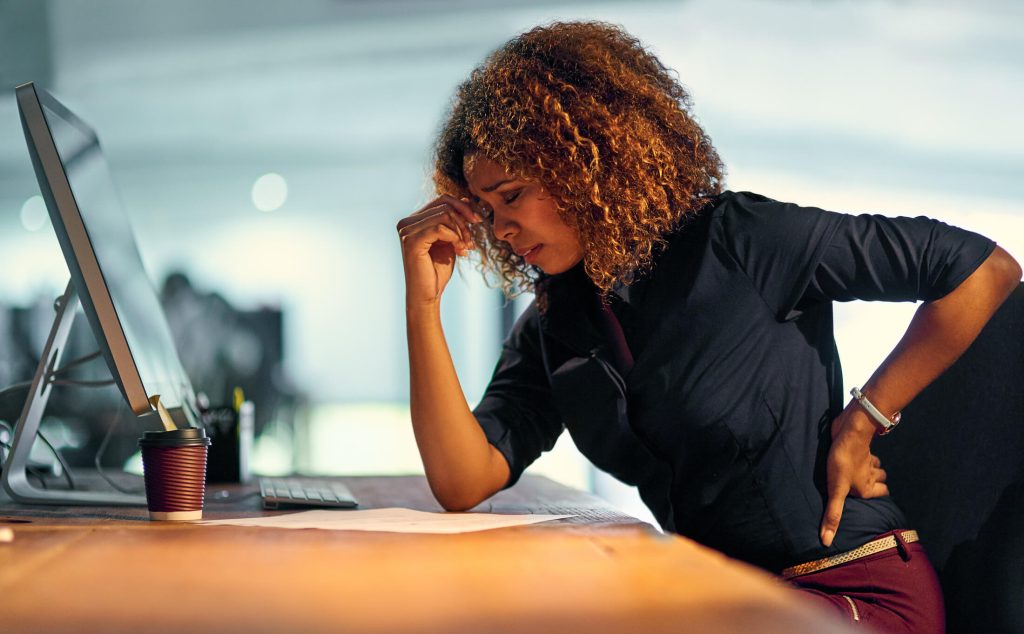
(886, 425)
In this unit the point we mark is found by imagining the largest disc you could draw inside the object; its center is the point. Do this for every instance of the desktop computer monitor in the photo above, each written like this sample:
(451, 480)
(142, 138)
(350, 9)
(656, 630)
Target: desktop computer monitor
(107, 277)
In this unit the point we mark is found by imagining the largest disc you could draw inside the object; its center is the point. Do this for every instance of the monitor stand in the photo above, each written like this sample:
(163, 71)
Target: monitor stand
(15, 472)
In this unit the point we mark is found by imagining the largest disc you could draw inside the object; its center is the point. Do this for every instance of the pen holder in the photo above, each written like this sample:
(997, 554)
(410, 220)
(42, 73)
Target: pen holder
(232, 433)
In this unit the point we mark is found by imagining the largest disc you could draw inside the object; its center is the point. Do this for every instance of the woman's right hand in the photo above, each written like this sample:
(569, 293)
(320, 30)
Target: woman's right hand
(432, 238)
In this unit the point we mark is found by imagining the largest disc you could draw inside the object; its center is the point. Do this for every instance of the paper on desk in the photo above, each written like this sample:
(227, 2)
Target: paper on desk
(394, 520)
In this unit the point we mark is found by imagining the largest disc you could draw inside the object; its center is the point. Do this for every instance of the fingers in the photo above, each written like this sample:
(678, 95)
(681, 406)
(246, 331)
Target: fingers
(846, 478)
(869, 485)
(420, 225)
(434, 229)
(876, 487)
(463, 214)
(462, 207)
(429, 215)
(440, 214)
(833, 511)
(878, 474)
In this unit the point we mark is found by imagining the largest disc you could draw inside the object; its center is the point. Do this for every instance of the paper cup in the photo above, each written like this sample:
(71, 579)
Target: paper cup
(174, 466)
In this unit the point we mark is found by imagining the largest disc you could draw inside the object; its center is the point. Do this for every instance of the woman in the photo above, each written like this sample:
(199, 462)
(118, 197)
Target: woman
(682, 334)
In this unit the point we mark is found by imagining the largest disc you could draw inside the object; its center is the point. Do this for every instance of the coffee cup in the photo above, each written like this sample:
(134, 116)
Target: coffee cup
(174, 468)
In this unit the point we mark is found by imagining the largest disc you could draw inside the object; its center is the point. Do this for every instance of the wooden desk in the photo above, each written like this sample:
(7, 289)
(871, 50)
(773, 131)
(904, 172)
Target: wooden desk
(90, 570)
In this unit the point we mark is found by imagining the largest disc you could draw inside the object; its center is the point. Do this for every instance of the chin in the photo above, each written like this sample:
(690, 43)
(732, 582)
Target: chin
(553, 270)
(557, 267)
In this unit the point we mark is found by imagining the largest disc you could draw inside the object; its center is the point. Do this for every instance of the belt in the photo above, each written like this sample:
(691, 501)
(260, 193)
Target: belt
(875, 546)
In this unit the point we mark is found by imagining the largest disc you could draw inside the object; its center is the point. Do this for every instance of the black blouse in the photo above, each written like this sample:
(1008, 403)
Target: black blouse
(723, 423)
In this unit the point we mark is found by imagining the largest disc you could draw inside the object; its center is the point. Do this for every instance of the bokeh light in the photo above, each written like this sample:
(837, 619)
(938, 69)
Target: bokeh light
(33, 214)
(269, 192)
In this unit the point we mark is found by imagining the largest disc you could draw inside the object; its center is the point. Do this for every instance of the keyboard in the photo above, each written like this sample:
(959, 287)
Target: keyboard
(282, 492)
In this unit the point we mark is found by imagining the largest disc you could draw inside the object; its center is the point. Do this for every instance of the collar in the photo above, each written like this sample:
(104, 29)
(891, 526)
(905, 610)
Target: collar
(569, 317)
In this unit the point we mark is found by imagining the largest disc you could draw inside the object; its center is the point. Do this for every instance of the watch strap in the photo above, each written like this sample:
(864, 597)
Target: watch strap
(885, 424)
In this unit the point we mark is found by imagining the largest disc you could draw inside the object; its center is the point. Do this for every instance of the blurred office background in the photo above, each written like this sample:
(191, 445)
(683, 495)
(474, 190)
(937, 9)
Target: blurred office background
(265, 150)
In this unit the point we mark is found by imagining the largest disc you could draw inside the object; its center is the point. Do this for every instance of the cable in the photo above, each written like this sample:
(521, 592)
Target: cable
(52, 380)
(15, 387)
(81, 383)
(30, 470)
(76, 362)
(39, 432)
(73, 382)
(53, 450)
(62, 370)
(99, 454)
(60, 459)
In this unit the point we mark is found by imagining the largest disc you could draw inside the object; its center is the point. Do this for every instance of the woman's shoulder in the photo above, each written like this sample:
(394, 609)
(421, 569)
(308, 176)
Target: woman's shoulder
(733, 201)
(754, 230)
(727, 204)
(713, 210)
(748, 216)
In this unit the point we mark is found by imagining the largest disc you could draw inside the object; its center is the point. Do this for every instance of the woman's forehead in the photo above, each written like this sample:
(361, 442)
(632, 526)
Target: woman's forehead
(481, 172)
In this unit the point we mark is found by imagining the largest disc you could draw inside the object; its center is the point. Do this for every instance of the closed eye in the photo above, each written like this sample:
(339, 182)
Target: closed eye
(511, 197)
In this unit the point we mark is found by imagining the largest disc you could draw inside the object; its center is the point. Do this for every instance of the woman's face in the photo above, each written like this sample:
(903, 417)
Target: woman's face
(523, 215)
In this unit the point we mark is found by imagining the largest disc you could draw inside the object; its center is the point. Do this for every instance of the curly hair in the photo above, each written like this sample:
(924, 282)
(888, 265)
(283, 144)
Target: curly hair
(584, 109)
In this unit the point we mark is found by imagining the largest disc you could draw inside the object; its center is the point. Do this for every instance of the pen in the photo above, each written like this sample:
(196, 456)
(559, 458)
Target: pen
(165, 416)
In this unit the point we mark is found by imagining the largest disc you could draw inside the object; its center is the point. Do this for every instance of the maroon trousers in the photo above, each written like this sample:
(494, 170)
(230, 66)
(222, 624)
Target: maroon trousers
(892, 591)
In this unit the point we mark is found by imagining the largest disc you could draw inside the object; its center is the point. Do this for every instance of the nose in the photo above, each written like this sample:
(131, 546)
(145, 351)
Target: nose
(503, 227)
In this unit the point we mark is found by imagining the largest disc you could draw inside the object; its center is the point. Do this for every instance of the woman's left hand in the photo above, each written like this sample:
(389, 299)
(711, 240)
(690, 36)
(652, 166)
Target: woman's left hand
(852, 468)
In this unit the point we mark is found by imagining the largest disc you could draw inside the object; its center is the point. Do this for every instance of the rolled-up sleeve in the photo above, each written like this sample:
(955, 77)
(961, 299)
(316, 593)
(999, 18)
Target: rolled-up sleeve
(872, 257)
(516, 412)
(800, 256)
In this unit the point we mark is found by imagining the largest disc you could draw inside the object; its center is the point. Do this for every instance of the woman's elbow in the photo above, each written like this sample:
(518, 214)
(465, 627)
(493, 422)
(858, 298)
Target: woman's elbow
(453, 497)
(462, 488)
(458, 504)
(1005, 270)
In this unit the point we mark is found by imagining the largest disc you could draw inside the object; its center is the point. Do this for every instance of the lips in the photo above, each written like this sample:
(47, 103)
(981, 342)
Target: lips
(524, 252)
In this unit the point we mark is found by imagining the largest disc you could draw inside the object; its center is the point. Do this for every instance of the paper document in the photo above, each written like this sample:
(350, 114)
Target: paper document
(394, 520)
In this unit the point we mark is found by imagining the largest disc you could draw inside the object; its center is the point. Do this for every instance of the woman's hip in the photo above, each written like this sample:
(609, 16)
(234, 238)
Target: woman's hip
(889, 584)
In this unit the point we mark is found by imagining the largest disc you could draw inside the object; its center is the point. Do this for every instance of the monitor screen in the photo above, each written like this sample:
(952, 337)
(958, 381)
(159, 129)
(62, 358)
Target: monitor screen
(106, 267)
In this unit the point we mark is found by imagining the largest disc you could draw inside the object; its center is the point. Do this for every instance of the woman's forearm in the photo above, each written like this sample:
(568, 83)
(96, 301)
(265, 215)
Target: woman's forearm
(940, 332)
(462, 467)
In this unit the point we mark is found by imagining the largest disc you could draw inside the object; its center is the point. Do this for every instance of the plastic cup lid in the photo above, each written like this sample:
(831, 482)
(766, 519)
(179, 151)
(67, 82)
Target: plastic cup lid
(185, 436)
